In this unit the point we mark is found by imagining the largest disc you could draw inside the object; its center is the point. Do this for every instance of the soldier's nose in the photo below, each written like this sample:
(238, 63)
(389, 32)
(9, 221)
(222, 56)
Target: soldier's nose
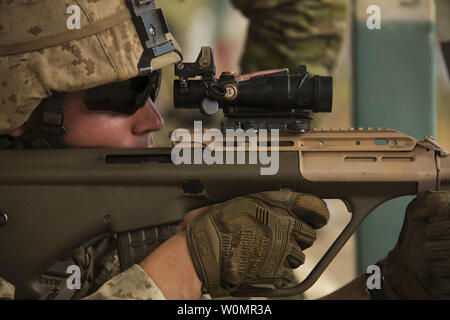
(147, 119)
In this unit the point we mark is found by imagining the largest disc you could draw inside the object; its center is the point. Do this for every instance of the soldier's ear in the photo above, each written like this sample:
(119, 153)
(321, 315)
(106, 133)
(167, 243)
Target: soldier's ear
(18, 131)
(32, 120)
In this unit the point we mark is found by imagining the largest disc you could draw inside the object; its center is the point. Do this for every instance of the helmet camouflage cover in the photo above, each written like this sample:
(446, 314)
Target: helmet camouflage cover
(39, 54)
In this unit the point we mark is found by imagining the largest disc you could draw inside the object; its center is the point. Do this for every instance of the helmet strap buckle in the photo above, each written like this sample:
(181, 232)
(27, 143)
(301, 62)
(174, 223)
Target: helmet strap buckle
(53, 113)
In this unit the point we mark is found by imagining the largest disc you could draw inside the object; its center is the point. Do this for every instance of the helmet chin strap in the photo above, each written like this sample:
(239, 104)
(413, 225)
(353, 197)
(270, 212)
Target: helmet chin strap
(52, 122)
(53, 113)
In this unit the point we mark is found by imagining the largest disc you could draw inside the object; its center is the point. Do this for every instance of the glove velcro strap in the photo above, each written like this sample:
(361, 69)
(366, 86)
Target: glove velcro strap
(205, 261)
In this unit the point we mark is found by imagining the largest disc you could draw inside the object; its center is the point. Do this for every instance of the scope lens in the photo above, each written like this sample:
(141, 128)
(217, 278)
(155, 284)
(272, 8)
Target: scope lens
(324, 95)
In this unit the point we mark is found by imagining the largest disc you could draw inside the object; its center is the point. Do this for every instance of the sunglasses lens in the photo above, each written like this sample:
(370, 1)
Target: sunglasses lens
(125, 96)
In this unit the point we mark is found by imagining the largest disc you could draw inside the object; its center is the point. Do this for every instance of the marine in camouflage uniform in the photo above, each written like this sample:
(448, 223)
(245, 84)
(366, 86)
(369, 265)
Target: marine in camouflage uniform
(286, 33)
(281, 33)
(40, 56)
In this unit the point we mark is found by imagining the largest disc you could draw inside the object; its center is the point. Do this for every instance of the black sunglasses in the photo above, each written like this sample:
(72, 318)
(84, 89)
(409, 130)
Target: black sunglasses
(124, 96)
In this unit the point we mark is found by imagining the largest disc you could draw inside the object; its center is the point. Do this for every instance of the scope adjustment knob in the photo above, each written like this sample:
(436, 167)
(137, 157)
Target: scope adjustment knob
(209, 107)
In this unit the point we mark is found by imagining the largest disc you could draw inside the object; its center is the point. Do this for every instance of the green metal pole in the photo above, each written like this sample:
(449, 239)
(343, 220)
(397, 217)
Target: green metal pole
(394, 87)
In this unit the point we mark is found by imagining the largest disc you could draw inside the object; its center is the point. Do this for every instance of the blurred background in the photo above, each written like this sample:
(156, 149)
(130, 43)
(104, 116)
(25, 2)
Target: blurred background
(393, 77)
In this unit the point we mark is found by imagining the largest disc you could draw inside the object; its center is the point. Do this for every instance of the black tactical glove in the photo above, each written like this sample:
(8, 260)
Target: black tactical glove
(419, 266)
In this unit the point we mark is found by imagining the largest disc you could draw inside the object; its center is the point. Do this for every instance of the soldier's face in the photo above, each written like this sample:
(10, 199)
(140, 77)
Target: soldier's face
(104, 129)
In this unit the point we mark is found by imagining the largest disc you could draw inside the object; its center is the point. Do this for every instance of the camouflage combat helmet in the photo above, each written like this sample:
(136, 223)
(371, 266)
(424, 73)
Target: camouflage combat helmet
(41, 54)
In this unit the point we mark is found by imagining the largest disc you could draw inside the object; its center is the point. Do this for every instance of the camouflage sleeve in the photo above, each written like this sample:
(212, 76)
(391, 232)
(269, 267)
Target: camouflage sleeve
(287, 33)
(132, 284)
(6, 290)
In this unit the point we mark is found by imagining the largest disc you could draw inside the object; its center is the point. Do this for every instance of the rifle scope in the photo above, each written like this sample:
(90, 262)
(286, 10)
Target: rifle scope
(271, 91)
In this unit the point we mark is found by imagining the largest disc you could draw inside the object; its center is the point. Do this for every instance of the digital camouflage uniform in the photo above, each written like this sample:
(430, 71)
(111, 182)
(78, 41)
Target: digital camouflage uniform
(281, 33)
(132, 284)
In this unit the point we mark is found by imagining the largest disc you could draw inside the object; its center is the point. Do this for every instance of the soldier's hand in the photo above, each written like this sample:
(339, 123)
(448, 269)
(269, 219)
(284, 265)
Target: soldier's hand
(419, 266)
(254, 241)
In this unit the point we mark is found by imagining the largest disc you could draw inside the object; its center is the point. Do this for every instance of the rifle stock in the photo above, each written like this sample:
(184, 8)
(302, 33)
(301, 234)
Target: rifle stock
(56, 200)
